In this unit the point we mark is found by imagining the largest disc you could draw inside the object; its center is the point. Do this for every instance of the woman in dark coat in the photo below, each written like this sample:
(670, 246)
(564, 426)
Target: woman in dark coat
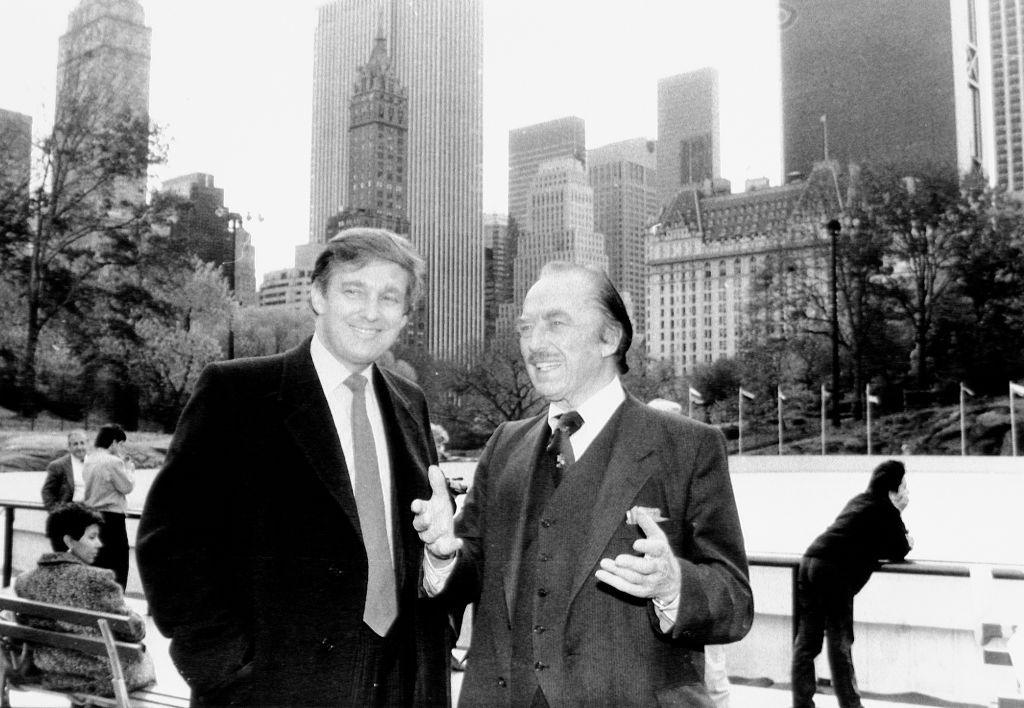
(66, 577)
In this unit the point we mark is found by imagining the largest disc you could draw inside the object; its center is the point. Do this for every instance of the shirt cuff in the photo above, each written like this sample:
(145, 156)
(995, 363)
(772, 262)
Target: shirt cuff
(436, 573)
(666, 612)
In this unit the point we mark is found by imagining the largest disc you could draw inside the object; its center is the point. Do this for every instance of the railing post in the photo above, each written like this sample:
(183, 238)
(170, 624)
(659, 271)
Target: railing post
(8, 544)
(795, 621)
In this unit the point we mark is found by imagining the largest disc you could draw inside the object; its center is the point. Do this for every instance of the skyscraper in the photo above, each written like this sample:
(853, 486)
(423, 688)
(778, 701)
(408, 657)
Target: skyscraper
(895, 81)
(688, 131)
(622, 176)
(437, 55)
(103, 75)
(15, 157)
(560, 211)
(212, 234)
(531, 145)
(377, 140)
(1007, 26)
(498, 256)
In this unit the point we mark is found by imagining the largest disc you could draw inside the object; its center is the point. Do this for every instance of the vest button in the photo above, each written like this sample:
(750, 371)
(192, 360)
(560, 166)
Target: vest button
(501, 682)
(545, 557)
(546, 523)
(542, 592)
(539, 628)
(540, 666)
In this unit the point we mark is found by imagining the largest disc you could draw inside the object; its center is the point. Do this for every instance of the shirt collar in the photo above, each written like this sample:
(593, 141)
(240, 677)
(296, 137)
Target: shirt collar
(596, 410)
(331, 372)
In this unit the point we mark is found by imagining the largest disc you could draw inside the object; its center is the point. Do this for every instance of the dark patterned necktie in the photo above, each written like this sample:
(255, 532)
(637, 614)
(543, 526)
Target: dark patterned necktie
(381, 607)
(559, 444)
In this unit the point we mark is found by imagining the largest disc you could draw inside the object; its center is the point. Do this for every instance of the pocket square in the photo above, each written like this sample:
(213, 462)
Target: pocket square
(653, 512)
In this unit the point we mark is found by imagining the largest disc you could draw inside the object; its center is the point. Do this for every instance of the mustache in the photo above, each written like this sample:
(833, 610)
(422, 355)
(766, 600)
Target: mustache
(542, 358)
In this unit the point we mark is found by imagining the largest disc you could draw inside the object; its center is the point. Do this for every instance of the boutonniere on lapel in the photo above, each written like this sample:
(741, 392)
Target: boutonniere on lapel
(654, 513)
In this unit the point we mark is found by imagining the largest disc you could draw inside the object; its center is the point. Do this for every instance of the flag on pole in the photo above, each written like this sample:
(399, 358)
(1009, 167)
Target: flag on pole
(747, 394)
(782, 396)
(966, 390)
(1017, 388)
(696, 396)
(873, 399)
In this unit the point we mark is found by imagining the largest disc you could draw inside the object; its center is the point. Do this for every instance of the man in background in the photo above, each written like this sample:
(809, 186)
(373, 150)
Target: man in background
(109, 478)
(64, 481)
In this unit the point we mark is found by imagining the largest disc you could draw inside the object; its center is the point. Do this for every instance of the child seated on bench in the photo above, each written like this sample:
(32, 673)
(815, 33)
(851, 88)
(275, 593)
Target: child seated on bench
(66, 577)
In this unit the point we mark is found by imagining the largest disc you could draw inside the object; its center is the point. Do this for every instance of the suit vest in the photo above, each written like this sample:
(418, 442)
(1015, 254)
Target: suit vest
(555, 533)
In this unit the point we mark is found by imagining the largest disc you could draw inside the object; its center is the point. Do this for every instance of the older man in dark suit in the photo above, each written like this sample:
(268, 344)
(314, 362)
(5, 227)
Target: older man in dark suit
(601, 539)
(64, 476)
(283, 546)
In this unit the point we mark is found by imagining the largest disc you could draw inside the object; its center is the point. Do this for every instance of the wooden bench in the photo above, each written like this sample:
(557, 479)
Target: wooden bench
(18, 640)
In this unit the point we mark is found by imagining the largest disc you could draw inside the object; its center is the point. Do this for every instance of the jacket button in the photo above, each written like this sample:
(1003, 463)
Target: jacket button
(546, 523)
(539, 628)
(545, 557)
(540, 666)
(501, 682)
(542, 592)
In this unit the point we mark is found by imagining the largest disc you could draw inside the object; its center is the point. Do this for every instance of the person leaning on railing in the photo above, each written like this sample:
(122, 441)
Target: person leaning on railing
(67, 577)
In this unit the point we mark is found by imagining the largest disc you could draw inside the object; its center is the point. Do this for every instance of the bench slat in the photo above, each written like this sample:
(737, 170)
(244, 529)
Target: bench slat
(62, 640)
(74, 615)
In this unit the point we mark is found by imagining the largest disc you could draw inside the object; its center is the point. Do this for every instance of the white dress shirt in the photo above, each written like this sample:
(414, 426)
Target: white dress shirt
(78, 475)
(332, 374)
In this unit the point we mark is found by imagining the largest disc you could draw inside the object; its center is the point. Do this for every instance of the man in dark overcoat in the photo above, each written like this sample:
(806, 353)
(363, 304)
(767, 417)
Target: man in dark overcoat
(277, 545)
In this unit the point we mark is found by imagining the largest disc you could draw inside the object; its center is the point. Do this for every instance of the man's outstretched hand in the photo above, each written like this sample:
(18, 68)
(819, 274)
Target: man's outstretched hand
(434, 518)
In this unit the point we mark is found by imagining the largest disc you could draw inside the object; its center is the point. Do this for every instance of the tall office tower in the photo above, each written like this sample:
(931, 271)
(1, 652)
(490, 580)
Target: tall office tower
(893, 81)
(622, 176)
(1007, 32)
(437, 55)
(15, 157)
(103, 74)
(377, 134)
(214, 234)
(528, 147)
(498, 255)
(688, 131)
(560, 211)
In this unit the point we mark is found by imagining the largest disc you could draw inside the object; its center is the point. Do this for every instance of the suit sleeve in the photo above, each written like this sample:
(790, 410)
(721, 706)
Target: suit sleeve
(56, 479)
(464, 585)
(184, 541)
(716, 604)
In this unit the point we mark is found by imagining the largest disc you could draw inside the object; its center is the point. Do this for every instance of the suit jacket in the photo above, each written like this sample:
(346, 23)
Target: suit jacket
(249, 545)
(613, 651)
(59, 485)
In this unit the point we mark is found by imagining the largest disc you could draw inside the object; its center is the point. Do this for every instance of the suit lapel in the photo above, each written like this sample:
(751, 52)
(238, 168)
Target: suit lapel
(520, 467)
(623, 479)
(308, 420)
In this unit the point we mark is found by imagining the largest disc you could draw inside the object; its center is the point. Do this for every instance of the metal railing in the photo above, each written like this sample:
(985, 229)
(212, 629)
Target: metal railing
(945, 569)
(9, 506)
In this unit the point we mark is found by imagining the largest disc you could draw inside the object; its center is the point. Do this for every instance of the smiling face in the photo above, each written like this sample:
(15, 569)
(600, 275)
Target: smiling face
(87, 546)
(566, 343)
(77, 444)
(361, 311)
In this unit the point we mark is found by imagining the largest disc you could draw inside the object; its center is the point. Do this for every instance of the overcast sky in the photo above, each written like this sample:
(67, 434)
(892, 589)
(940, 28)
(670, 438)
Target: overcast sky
(231, 86)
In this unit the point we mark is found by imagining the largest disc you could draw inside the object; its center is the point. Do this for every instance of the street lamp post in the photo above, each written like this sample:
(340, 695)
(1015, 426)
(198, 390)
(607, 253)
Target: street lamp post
(834, 227)
(233, 219)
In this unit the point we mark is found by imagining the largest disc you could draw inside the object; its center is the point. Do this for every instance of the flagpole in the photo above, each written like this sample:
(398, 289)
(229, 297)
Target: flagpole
(867, 398)
(778, 391)
(823, 419)
(1013, 425)
(740, 441)
(963, 428)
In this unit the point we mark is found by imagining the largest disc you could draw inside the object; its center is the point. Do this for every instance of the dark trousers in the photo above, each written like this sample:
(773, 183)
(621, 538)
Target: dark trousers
(114, 554)
(825, 602)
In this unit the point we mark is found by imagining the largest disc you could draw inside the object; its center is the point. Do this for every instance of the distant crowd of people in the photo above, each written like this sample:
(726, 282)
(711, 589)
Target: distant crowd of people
(300, 544)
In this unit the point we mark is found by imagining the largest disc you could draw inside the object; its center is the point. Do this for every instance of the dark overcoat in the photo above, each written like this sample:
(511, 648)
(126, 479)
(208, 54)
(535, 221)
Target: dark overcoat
(249, 545)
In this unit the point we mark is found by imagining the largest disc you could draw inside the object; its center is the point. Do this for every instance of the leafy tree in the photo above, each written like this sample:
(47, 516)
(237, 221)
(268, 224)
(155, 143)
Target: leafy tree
(260, 331)
(58, 237)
